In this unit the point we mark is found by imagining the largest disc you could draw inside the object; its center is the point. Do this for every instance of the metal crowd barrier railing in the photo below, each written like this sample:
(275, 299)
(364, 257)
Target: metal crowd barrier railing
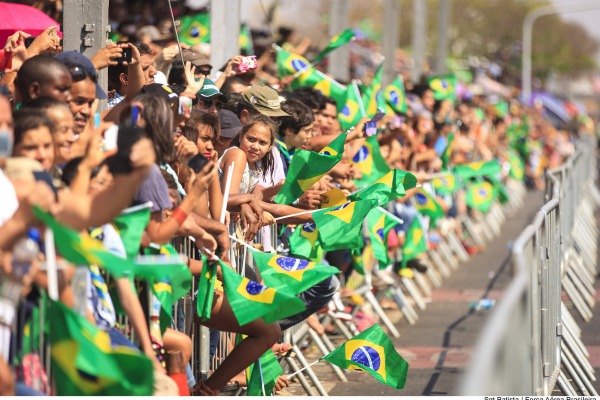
(531, 344)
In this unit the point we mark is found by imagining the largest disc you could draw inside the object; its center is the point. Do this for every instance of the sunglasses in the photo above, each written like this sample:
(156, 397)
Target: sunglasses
(202, 70)
(207, 104)
(78, 74)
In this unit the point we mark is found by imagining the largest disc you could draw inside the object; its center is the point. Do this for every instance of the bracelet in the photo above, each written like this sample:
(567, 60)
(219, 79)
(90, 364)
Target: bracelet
(179, 215)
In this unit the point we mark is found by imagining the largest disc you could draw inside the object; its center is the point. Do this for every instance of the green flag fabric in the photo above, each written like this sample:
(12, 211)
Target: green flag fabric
(372, 351)
(323, 83)
(389, 187)
(395, 95)
(130, 226)
(370, 162)
(246, 44)
(84, 364)
(481, 195)
(517, 167)
(445, 184)
(271, 370)
(340, 227)
(481, 168)
(291, 275)
(357, 261)
(290, 63)
(375, 101)
(336, 147)
(337, 41)
(415, 243)
(379, 225)
(353, 109)
(194, 29)
(443, 86)
(304, 241)
(250, 300)
(206, 290)
(306, 168)
(445, 157)
(427, 205)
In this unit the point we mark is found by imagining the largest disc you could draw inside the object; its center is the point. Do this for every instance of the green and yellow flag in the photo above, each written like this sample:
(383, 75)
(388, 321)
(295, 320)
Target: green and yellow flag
(291, 63)
(130, 226)
(375, 101)
(443, 86)
(206, 290)
(306, 168)
(340, 227)
(304, 241)
(427, 205)
(337, 41)
(517, 167)
(445, 184)
(395, 95)
(336, 147)
(415, 243)
(194, 29)
(480, 196)
(246, 44)
(380, 224)
(372, 351)
(84, 364)
(289, 274)
(270, 368)
(357, 261)
(250, 300)
(481, 168)
(353, 109)
(389, 187)
(370, 162)
(323, 83)
(445, 157)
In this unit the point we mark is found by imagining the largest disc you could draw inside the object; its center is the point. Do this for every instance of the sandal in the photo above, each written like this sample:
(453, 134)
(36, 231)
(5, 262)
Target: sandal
(201, 389)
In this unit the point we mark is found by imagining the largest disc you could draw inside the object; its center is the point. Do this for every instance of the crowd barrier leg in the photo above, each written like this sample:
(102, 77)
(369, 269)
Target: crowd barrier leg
(309, 371)
(433, 274)
(457, 246)
(446, 254)
(470, 229)
(413, 291)
(565, 386)
(439, 263)
(422, 283)
(324, 351)
(405, 307)
(580, 353)
(300, 375)
(370, 297)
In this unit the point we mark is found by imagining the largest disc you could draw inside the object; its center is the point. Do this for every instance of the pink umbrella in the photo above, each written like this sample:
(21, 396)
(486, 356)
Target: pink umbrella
(20, 17)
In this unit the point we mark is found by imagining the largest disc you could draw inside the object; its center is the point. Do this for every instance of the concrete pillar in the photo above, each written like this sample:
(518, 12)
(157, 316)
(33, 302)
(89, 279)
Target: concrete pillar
(419, 38)
(391, 22)
(339, 60)
(224, 31)
(443, 31)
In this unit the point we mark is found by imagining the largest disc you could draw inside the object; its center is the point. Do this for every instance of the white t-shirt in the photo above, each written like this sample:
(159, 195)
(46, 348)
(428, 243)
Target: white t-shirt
(8, 199)
(278, 174)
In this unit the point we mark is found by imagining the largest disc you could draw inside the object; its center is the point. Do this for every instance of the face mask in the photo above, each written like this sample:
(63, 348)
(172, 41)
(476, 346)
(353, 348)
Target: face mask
(6, 143)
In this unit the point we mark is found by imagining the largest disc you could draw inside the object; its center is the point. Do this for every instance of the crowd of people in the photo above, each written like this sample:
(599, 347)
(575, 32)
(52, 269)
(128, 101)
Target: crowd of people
(59, 154)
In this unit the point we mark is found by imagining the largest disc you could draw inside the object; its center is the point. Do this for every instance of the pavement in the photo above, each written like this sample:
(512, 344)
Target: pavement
(439, 346)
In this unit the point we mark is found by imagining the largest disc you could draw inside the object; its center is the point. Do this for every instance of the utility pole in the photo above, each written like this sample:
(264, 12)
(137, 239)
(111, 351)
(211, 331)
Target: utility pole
(224, 31)
(443, 27)
(419, 38)
(85, 29)
(391, 23)
(339, 60)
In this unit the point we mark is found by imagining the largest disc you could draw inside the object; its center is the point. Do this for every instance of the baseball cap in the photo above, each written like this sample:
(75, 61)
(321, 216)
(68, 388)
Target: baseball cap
(74, 60)
(265, 100)
(164, 91)
(230, 124)
(209, 91)
(195, 57)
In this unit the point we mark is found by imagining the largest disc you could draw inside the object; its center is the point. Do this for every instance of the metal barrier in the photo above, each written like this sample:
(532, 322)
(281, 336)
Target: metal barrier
(531, 344)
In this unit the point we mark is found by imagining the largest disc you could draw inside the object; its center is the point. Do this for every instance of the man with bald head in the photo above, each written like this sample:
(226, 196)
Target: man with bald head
(43, 76)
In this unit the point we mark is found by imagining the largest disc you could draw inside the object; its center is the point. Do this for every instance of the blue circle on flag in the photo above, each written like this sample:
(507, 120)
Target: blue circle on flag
(444, 181)
(345, 111)
(291, 264)
(342, 206)
(309, 227)
(298, 64)
(482, 192)
(421, 198)
(254, 288)
(381, 234)
(195, 32)
(362, 155)
(394, 97)
(367, 356)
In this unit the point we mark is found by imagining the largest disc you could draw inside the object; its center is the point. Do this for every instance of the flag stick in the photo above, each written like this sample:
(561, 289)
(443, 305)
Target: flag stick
(389, 214)
(308, 366)
(262, 380)
(295, 215)
(51, 265)
(242, 242)
(226, 192)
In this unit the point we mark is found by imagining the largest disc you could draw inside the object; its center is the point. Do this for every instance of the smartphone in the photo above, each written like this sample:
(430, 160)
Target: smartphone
(185, 105)
(370, 128)
(126, 56)
(45, 177)
(197, 163)
(127, 136)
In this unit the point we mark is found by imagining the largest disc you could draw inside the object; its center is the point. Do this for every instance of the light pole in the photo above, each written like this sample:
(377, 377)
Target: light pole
(530, 19)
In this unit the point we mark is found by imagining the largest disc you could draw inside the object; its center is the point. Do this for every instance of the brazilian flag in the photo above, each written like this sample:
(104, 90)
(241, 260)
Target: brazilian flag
(357, 261)
(445, 184)
(373, 352)
(336, 147)
(340, 227)
(445, 157)
(264, 371)
(517, 167)
(289, 274)
(306, 168)
(84, 364)
(323, 83)
(389, 187)
(370, 162)
(290, 63)
(380, 224)
(246, 44)
(194, 29)
(443, 86)
(304, 241)
(353, 109)
(373, 97)
(415, 243)
(477, 169)
(427, 205)
(130, 226)
(337, 41)
(395, 95)
(250, 300)
(480, 196)
(206, 290)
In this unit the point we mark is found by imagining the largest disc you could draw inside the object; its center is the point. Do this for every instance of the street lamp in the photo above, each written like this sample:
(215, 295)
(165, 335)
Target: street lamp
(530, 19)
